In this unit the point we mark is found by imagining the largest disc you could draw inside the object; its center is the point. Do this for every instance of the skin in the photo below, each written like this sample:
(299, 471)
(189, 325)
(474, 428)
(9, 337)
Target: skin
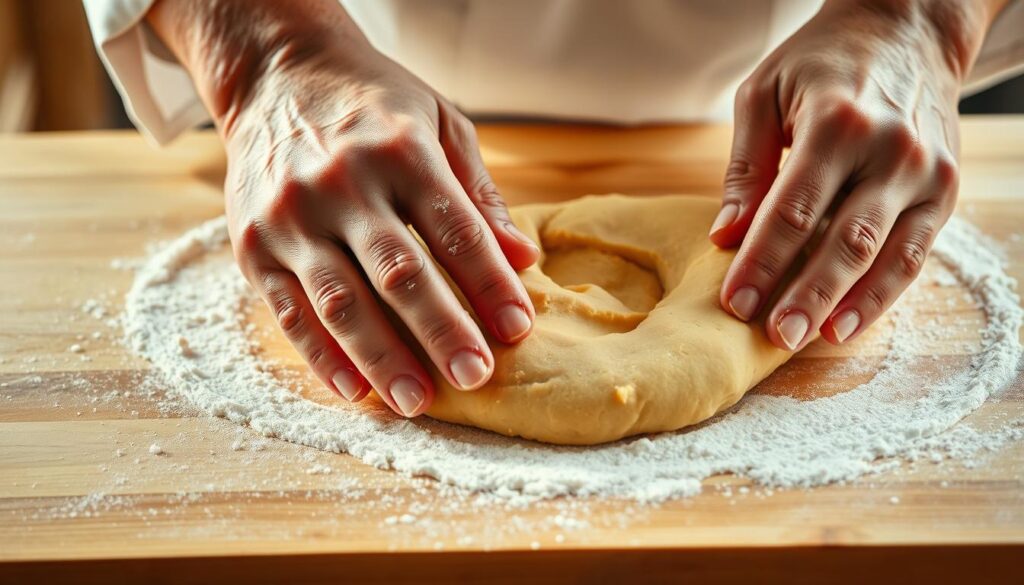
(333, 149)
(865, 97)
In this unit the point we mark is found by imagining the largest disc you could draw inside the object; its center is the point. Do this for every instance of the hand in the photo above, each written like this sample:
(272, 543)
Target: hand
(332, 149)
(865, 95)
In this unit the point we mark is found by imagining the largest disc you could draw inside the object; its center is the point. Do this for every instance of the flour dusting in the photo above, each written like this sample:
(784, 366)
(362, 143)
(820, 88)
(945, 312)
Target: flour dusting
(186, 314)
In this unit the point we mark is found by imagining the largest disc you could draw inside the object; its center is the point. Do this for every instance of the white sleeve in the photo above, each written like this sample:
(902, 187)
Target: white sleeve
(1002, 54)
(158, 93)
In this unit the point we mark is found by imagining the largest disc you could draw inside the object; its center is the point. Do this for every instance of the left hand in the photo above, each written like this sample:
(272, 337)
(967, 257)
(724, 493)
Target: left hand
(865, 95)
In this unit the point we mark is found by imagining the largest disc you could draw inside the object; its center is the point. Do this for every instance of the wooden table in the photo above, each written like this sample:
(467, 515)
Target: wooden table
(81, 499)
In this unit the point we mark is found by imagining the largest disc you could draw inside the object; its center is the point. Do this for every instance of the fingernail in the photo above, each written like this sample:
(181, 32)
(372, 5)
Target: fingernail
(512, 322)
(468, 369)
(408, 394)
(347, 383)
(744, 302)
(512, 229)
(793, 327)
(725, 217)
(845, 324)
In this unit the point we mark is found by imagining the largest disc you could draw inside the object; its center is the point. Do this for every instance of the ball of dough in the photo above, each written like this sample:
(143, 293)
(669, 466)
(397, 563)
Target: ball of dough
(629, 336)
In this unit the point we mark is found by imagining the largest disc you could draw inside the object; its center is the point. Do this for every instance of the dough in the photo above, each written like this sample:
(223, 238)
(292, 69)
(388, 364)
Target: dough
(629, 337)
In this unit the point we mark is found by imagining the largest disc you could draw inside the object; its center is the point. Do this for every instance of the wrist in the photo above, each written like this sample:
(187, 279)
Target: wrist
(953, 28)
(958, 28)
(232, 48)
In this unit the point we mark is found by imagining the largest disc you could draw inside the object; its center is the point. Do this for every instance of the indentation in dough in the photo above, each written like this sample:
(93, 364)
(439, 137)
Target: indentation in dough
(580, 263)
(629, 336)
(584, 270)
(591, 315)
(612, 289)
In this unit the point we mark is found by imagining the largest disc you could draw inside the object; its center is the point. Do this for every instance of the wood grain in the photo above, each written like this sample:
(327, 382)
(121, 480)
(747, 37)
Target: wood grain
(81, 497)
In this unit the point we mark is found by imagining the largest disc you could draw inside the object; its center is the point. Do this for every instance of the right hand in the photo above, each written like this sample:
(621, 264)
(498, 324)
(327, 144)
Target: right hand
(332, 149)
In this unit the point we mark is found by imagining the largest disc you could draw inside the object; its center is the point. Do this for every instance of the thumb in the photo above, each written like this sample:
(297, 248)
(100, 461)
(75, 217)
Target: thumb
(753, 164)
(458, 139)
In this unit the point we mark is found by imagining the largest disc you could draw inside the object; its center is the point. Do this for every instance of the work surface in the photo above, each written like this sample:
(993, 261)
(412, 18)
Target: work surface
(78, 483)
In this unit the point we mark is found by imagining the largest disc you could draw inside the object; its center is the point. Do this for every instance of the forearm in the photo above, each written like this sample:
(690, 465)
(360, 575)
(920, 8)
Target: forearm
(228, 46)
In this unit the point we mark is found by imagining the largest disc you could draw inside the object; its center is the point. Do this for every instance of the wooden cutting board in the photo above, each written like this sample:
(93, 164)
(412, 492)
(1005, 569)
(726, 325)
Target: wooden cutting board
(81, 497)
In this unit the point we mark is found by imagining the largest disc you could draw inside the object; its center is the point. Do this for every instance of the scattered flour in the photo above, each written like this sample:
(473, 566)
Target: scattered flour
(185, 349)
(946, 279)
(94, 308)
(441, 203)
(900, 414)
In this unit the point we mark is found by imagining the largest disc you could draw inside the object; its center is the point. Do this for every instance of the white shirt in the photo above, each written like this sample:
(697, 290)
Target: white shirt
(599, 60)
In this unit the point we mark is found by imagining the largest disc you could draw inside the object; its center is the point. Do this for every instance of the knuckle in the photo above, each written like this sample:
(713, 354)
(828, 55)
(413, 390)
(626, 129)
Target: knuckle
(796, 213)
(767, 265)
(251, 238)
(336, 302)
(395, 264)
(845, 116)
(289, 315)
(286, 204)
(859, 241)
(461, 234)
(351, 161)
(492, 284)
(914, 156)
(375, 363)
(947, 173)
(337, 173)
(439, 332)
(904, 142)
(821, 294)
(741, 174)
(317, 357)
(912, 254)
(346, 154)
(485, 193)
(403, 141)
(750, 91)
(877, 298)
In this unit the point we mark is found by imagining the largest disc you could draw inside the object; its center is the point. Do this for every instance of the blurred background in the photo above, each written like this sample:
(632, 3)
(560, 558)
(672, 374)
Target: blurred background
(52, 80)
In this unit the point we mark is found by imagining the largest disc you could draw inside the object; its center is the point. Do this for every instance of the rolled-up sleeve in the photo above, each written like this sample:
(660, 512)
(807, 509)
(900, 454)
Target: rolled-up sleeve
(162, 102)
(1002, 54)
(158, 94)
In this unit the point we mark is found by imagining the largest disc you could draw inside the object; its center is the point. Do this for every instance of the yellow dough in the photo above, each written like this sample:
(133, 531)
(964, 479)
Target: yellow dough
(629, 337)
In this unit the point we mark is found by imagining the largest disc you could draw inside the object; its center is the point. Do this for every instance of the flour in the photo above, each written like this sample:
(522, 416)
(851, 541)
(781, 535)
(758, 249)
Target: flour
(189, 291)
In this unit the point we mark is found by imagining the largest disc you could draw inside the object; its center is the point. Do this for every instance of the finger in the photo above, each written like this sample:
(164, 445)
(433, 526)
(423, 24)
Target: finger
(845, 253)
(753, 164)
(349, 311)
(460, 240)
(898, 264)
(784, 223)
(413, 286)
(458, 139)
(286, 298)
